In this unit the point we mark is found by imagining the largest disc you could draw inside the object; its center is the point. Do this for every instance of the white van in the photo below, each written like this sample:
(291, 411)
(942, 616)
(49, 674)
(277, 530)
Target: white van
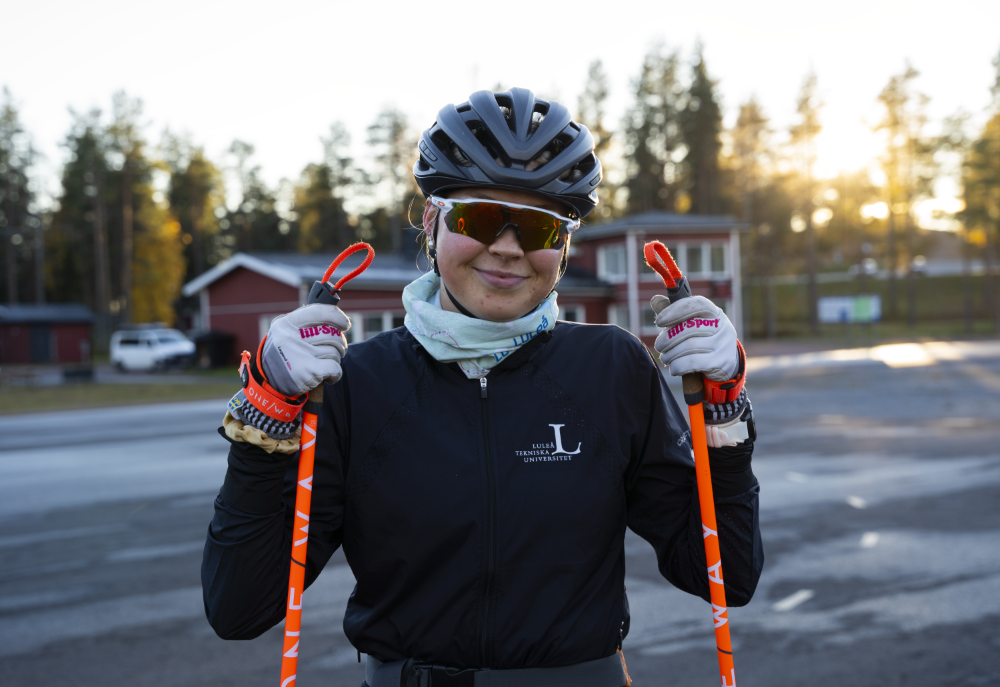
(150, 349)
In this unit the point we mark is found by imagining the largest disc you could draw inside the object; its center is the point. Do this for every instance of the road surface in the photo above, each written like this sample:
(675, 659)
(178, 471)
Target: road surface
(880, 509)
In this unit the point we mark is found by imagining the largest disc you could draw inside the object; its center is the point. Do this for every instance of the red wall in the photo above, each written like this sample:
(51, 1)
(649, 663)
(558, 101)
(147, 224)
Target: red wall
(15, 343)
(64, 346)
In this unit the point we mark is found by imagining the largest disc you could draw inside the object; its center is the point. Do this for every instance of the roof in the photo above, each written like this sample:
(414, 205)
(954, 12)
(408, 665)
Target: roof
(387, 271)
(45, 313)
(663, 222)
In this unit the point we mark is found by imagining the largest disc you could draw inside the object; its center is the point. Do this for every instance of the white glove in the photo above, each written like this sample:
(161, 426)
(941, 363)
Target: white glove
(304, 348)
(697, 337)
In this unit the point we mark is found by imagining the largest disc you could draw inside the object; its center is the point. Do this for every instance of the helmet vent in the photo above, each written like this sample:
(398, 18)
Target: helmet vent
(463, 108)
(442, 141)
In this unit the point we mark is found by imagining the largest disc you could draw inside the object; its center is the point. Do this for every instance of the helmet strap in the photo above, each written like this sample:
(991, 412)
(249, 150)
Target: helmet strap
(461, 308)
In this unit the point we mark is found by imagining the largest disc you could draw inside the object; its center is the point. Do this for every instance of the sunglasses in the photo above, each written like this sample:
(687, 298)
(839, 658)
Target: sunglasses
(485, 220)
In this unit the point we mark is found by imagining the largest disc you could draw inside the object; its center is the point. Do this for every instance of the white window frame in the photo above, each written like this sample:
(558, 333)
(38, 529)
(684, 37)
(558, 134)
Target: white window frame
(618, 314)
(579, 309)
(602, 263)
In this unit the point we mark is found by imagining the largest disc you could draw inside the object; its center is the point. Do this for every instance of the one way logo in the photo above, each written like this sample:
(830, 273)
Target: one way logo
(549, 451)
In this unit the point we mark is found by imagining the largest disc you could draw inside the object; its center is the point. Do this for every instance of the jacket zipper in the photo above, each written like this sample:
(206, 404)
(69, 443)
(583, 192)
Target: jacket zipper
(490, 525)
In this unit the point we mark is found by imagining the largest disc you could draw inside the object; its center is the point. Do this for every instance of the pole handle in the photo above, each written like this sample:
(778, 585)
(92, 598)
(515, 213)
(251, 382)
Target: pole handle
(316, 395)
(693, 385)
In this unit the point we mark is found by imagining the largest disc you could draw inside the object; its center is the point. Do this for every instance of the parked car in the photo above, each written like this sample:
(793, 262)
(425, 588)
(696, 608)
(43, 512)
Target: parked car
(151, 349)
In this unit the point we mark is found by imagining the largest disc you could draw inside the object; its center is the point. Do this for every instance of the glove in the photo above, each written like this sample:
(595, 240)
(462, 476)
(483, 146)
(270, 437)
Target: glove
(304, 348)
(697, 337)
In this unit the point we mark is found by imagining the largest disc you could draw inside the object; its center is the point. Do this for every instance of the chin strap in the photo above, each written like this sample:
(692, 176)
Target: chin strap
(461, 308)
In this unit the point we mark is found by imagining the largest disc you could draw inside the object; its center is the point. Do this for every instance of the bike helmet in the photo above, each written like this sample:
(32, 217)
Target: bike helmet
(510, 140)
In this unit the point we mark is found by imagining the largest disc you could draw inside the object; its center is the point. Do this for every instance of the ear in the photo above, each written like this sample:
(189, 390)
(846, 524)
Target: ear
(430, 217)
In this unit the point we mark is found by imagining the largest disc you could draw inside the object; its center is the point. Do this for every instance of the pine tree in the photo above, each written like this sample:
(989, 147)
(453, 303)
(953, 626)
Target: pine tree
(981, 191)
(16, 199)
(255, 224)
(319, 197)
(196, 199)
(78, 262)
(653, 141)
(909, 169)
(803, 140)
(701, 124)
(394, 154)
(590, 107)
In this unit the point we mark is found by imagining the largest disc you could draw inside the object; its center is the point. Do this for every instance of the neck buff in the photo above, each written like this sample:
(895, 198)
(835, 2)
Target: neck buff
(476, 345)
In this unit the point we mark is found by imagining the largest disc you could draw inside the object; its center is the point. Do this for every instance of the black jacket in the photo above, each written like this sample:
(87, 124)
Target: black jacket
(485, 525)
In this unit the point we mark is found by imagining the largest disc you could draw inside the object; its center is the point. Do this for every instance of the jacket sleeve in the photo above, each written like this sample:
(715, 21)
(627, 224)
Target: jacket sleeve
(663, 509)
(244, 570)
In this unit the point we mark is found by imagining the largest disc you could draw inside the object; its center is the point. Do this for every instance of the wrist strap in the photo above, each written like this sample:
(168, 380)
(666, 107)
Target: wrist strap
(262, 395)
(728, 391)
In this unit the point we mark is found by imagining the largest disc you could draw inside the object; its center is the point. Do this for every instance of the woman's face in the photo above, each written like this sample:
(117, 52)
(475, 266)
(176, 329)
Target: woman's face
(499, 282)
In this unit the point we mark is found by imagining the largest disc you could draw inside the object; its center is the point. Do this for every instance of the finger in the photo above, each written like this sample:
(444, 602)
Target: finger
(332, 349)
(317, 314)
(686, 309)
(658, 303)
(668, 340)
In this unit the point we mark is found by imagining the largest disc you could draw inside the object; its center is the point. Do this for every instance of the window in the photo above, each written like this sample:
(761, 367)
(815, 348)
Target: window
(618, 314)
(611, 263)
(646, 273)
(129, 341)
(373, 325)
(718, 253)
(397, 320)
(649, 321)
(694, 265)
(573, 313)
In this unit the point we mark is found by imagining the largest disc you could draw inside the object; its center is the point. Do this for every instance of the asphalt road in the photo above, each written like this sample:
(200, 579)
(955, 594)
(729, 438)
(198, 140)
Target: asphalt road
(880, 493)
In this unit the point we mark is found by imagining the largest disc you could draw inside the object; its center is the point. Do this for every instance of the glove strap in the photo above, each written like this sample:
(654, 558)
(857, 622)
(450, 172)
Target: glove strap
(728, 391)
(262, 395)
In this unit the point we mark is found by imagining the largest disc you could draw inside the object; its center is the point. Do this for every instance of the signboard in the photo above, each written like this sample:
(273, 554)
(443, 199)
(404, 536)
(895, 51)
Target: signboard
(850, 309)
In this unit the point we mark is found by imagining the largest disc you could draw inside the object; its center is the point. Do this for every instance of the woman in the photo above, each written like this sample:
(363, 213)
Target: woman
(480, 464)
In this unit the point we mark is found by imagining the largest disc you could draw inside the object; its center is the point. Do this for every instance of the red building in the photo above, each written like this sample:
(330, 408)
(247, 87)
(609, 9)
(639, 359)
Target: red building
(45, 333)
(606, 280)
(707, 250)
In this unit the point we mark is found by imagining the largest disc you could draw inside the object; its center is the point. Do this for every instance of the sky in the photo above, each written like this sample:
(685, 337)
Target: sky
(278, 74)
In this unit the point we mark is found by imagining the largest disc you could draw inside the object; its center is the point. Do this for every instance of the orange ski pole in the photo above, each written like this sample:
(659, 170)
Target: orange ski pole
(322, 292)
(659, 259)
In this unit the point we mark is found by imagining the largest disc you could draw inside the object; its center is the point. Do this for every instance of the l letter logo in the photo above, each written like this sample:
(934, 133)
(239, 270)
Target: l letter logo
(559, 446)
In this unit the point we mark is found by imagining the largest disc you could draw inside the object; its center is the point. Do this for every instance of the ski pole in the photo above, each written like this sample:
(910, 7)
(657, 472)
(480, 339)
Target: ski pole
(321, 292)
(659, 259)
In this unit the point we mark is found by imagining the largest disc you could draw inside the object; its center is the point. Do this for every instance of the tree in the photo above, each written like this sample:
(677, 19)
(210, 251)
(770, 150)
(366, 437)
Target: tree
(394, 154)
(255, 224)
(319, 197)
(653, 142)
(196, 196)
(908, 167)
(16, 197)
(750, 138)
(803, 140)
(590, 108)
(981, 190)
(127, 147)
(701, 124)
(78, 264)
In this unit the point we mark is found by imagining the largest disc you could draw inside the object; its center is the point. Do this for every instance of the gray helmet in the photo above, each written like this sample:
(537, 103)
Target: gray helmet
(493, 139)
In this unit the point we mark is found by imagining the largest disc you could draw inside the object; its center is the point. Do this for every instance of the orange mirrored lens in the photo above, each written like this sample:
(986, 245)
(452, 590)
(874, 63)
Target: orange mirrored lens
(486, 221)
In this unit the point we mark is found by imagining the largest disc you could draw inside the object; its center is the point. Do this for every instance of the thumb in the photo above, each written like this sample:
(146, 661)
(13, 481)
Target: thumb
(658, 303)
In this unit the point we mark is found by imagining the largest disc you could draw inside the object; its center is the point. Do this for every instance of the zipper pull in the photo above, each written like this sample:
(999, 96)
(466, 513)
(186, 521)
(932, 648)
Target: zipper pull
(482, 387)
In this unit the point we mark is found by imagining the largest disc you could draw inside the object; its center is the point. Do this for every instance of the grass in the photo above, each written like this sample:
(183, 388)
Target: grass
(25, 399)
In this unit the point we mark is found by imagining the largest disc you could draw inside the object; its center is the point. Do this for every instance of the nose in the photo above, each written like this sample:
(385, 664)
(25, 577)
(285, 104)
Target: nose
(508, 244)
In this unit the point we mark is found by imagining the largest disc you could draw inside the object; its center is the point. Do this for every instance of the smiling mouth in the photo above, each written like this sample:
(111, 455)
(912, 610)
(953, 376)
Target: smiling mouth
(500, 279)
